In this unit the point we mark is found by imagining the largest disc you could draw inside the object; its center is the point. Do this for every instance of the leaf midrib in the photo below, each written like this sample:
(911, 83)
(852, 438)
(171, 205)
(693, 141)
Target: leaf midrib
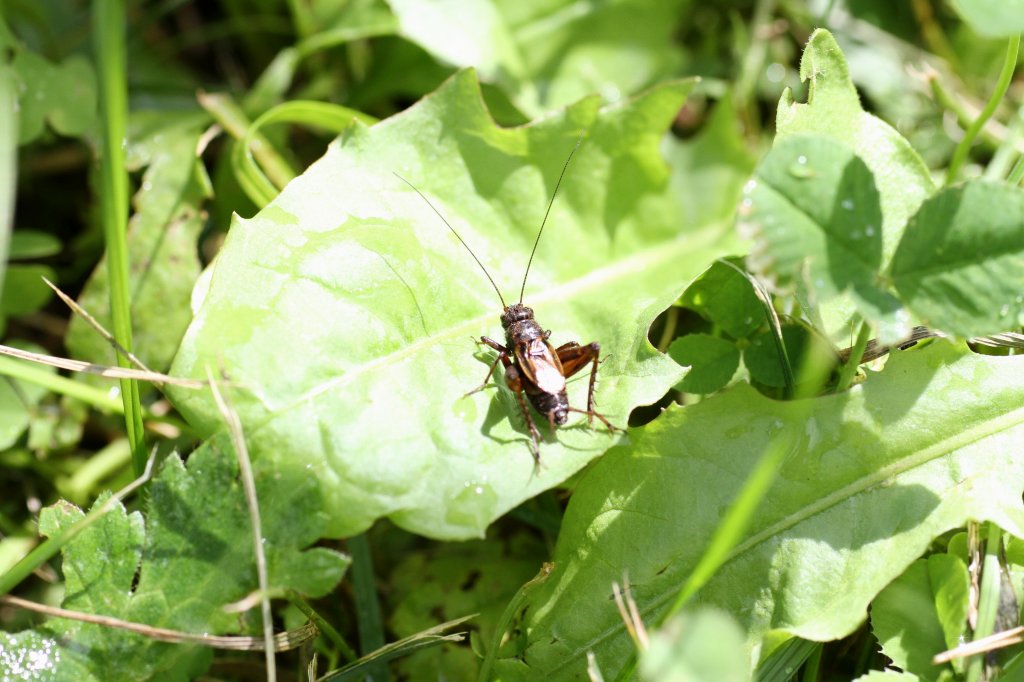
(641, 260)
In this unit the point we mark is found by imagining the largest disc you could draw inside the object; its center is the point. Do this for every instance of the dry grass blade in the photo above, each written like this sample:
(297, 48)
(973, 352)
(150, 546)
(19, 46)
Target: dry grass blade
(999, 640)
(94, 323)
(234, 425)
(403, 647)
(282, 641)
(100, 370)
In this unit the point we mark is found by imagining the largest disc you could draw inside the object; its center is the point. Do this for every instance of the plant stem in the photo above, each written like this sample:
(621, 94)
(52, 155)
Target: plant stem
(371, 626)
(962, 149)
(109, 28)
(328, 630)
(849, 369)
(8, 160)
(988, 598)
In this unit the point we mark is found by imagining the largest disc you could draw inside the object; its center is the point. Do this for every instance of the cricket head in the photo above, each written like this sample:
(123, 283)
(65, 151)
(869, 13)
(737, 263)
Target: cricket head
(517, 312)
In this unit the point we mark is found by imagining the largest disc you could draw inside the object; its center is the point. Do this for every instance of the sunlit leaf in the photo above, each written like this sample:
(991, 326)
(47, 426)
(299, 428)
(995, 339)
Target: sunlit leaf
(833, 109)
(961, 264)
(345, 312)
(877, 473)
(993, 18)
(910, 617)
(547, 54)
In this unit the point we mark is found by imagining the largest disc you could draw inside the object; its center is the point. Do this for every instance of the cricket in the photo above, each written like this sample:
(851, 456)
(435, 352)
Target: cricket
(535, 370)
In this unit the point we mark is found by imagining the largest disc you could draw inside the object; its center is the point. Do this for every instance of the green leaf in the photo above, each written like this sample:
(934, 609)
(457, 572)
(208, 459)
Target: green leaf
(833, 109)
(814, 213)
(993, 18)
(877, 473)
(725, 297)
(452, 580)
(18, 402)
(961, 265)
(33, 244)
(162, 252)
(24, 290)
(703, 645)
(907, 619)
(63, 95)
(803, 346)
(196, 557)
(32, 655)
(545, 54)
(708, 172)
(347, 310)
(712, 362)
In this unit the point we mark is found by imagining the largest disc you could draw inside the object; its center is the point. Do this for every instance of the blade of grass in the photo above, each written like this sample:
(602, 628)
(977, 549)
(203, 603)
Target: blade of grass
(262, 189)
(849, 368)
(988, 599)
(363, 668)
(109, 31)
(8, 161)
(325, 628)
(371, 626)
(1005, 76)
(782, 663)
(728, 539)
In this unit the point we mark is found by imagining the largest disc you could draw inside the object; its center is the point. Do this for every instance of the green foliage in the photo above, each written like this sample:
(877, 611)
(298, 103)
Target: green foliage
(959, 266)
(547, 54)
(922, 613)
(162, 253)
(713, 361)
(192, 555)
(704, 645)
(763, 501)
(386, 302)
(63, 95)
(902, 181)
(874, 474)
(993, 18)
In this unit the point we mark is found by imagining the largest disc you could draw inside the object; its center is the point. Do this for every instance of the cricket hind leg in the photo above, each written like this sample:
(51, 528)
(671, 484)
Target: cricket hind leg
(574, 358)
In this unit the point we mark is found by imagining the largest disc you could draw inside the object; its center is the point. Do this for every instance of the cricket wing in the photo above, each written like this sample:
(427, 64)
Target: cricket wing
(541, 366)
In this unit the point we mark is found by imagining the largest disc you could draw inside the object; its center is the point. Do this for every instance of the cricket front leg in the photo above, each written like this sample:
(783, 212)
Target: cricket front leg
(503, 356)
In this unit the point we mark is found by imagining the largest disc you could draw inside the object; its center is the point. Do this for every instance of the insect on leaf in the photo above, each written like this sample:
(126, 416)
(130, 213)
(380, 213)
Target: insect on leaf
(346, 311)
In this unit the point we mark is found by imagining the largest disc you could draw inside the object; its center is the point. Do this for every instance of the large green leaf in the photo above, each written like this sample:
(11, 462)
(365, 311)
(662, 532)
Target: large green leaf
(961, 264)
(874, 475)
(548, 53)
(193, 555)
(833, 109)
(345, 311)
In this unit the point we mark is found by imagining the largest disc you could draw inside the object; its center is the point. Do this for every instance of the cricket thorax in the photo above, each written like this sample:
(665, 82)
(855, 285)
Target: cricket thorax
(519, 325)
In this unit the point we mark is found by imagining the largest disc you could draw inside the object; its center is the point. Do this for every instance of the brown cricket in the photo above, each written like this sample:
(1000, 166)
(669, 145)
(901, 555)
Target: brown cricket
(533, 366)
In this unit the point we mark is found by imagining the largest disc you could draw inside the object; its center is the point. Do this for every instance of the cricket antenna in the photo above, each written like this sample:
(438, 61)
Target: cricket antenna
(543, 222)
(439, 215)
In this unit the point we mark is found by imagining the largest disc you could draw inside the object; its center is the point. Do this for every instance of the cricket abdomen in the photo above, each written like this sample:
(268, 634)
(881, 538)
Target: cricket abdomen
(554, 406)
